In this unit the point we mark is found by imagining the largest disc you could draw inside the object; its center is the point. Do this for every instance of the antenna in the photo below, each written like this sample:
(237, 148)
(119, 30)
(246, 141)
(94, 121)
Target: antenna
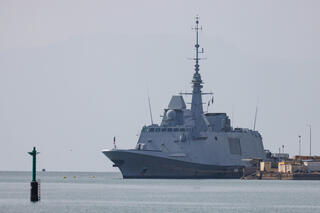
(197, 28)
(255, 116)
(232, 116)
(150, 109)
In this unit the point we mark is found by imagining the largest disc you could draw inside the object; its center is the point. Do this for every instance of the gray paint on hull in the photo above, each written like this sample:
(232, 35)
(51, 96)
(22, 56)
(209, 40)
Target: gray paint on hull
(136, 165)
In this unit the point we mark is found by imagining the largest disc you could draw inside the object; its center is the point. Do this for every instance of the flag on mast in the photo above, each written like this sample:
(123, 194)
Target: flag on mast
(114, 142)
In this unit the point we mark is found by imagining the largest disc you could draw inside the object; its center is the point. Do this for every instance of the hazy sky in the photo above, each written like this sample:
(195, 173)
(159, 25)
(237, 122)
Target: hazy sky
(73, 74)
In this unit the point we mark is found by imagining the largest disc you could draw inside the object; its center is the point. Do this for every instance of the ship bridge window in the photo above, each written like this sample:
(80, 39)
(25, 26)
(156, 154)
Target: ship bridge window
(157, 129)
(182, 130)
(163, 129)
(169, 129)
(151, 130)
(176, 129)
(144, 129)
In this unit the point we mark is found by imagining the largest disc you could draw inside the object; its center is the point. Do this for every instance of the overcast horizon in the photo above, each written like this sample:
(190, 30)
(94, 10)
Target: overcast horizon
(74, 74)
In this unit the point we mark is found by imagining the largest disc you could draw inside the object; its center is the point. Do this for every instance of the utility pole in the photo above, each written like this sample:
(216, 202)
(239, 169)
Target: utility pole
(309, 125)
(299, 145)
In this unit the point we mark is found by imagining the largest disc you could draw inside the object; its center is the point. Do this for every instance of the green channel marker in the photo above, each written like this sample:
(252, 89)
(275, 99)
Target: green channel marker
(35, 186)
(34, 163)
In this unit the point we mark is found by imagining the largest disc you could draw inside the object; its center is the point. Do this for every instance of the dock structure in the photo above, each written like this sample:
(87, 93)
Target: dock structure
(298, 168)
(35, 185)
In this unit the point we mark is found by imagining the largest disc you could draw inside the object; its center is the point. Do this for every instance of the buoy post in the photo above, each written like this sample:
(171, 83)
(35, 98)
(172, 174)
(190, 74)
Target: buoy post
(35, 185)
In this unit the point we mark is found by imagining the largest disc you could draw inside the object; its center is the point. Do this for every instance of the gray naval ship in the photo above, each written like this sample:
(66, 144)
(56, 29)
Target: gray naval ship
(190, 143)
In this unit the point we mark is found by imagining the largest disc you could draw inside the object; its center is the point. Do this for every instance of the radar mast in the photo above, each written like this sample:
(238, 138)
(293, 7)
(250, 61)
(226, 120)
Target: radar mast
(196, 104)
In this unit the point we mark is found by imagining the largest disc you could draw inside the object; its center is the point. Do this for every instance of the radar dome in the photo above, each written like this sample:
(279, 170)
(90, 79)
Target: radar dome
(171, 114)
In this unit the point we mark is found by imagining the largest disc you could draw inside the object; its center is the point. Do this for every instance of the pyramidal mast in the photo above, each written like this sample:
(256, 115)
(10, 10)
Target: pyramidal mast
(196, 104)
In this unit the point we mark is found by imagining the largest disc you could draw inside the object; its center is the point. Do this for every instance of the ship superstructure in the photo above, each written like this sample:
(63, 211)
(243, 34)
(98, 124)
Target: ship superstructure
(190, 143)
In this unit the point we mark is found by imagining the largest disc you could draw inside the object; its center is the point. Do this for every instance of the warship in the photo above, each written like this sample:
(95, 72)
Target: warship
(190, 143)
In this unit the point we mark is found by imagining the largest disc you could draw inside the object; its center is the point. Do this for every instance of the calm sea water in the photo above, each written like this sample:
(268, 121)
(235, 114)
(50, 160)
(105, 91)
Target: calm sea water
(107, 192)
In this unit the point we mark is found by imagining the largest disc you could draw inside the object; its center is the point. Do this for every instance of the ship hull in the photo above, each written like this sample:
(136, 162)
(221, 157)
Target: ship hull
(133, 164)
